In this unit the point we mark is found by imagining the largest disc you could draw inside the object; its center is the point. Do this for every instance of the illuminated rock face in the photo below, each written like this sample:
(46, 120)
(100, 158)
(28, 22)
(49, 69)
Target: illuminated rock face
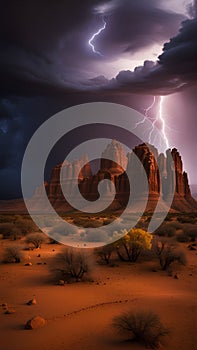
(166, 182)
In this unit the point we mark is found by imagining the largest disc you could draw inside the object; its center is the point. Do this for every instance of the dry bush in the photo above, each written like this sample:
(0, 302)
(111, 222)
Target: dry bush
(36, 239)
(187, 235)
(73, 264)
(16, 226)
(168, 229)
(9, 230)
(13, 254)
(167, 253)
(142, 326)
(25, 225)
(105, 253)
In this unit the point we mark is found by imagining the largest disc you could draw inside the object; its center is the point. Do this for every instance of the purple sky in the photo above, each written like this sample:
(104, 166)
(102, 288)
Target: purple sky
(147, 48)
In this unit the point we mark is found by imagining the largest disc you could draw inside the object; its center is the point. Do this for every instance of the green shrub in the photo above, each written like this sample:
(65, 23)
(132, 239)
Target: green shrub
(131, 245)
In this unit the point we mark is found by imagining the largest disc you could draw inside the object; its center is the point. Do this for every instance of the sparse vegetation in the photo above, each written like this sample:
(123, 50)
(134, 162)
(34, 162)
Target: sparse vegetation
(36, 239)
(73, 264)
(167, 254)
(16, 226)
(131, 245)
(189, 218)
(187, 235)
(13, 254)
(143, 327)
(168, 229)
(105, 253)
(9, 230)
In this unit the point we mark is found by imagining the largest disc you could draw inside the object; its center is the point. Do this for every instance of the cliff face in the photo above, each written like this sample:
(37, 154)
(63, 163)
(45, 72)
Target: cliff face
(164, 175)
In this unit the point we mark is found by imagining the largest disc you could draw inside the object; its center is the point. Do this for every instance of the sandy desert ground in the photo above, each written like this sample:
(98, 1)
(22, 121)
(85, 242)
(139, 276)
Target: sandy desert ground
(79, 315)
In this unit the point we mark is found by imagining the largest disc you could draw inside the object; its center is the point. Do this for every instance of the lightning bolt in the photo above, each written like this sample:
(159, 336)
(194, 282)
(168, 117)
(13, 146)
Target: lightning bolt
(154, 121)
(90, 42)
(160, 116)
(146, 110)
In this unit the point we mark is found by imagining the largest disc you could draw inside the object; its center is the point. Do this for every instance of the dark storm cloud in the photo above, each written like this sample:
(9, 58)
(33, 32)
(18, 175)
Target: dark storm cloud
(33, 37)
(175, 69)
(131, 25)
(180, 54)
(46, 62)
(10, 134)
(44, 44)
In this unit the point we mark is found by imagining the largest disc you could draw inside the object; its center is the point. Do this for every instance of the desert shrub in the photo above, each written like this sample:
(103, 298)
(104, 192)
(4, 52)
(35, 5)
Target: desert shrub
(168, 230)
(187, 219)
(105, 253)
(25, 225)
(188, 235)
(86, 222)
(167, 254)
(144, 327)
(73, 263)
(16, 226)
(9, 230)
(131, 245)
(13, 254)
(36, 239)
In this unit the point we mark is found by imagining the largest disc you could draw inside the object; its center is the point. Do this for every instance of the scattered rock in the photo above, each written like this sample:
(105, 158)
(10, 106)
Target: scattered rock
(10, 311)
(38, 255)
(32, 301)
(39, 263)
(35, 323)
(4, 305)
(191, 247)
(176, 277)
(61, 283)
(154, 270)
(28, 264)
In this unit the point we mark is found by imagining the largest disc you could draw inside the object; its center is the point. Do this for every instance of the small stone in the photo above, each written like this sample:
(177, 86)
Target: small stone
(4, 305)
(176, 277)
(38, 255)
(61, 283)
(10, 311)
(28, 264)
(35, 323)
(32, 301)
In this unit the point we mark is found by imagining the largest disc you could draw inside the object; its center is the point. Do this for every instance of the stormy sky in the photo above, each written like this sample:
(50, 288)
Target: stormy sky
(147, 49)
